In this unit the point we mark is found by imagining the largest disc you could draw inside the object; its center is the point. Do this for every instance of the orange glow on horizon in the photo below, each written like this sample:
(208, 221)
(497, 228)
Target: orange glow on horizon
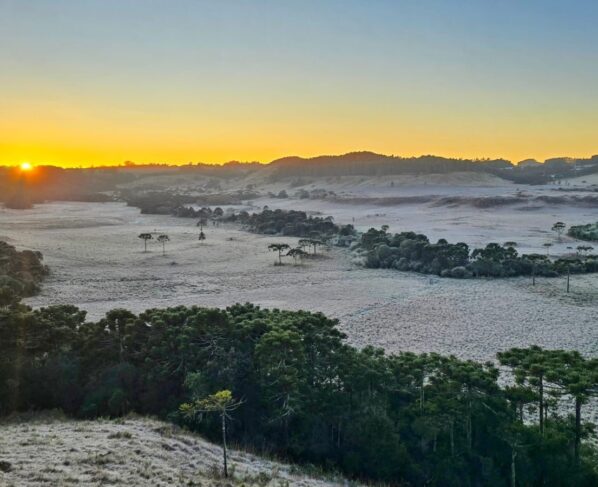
(26, 166)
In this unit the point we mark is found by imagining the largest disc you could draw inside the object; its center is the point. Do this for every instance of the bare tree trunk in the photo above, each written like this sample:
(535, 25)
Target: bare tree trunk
(513, 467)
(541, 405)
(452, 437)
(224, 444)
(577, 429)
(422, 393)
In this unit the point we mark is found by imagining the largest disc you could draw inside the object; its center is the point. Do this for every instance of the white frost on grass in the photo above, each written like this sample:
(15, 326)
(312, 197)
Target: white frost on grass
(136, 452)
(97, 263)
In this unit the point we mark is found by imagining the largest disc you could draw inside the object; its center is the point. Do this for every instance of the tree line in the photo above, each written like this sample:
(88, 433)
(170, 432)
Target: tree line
(408, 251)
(291, 223)
(584, 232)
(287, 383)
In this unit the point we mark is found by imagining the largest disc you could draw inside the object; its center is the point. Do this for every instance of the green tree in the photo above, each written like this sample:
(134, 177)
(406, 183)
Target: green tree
(297, 254)
(577, 377)
(559, 228)
(163, 239)
(145, 237)
(279, 247)
(222, 403)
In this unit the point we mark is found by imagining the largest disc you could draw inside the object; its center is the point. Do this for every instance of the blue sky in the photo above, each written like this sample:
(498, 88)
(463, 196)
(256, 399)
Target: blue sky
(99, 81)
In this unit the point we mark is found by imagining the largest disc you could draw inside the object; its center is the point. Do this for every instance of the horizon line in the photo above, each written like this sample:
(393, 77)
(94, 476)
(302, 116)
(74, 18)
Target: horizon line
(133, 164)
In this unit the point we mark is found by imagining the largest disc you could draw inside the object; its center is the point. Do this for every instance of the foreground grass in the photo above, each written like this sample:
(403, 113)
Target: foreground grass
(54, 451)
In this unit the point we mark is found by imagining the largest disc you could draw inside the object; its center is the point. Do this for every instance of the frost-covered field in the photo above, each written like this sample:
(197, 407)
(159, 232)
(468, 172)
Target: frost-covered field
(134, 452)
(97, 262)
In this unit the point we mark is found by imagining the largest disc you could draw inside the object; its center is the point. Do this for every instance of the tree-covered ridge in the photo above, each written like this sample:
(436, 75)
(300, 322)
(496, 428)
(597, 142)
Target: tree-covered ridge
(371, 164)
(304, 394)
(584, 232)
(20, 273)
(290, 223)
(408, 251)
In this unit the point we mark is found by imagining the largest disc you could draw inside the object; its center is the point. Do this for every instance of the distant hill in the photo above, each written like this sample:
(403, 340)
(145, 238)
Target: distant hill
(372, 164)
(95, 184)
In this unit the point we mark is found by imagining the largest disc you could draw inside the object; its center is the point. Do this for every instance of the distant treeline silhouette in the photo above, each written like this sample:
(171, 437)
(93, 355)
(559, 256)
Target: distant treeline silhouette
(94, 184)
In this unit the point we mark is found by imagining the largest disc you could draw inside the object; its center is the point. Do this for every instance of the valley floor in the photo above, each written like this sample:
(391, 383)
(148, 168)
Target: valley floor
(97, 263)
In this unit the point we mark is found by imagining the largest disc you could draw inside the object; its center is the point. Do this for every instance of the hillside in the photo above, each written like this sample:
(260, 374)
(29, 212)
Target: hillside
(132, 452)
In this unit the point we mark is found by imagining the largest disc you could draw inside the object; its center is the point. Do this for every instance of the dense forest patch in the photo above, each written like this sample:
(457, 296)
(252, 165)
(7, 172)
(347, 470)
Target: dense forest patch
(290, 223)
(20, 273)
(173, 203)
(306, 395)
(408, 251)
(584, 232)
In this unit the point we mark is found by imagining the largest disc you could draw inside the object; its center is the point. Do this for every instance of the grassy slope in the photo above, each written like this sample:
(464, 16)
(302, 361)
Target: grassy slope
(132, 452)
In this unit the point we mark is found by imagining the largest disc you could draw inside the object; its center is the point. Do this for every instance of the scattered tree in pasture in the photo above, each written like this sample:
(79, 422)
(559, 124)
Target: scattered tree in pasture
(559, 228)
(163, 239)
(304, 243)
(145, 237)
(315, 243)
(584, 249)
(278, 247)
(297, 254)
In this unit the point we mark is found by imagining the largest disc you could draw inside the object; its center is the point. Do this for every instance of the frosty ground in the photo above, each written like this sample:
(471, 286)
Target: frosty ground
(132, 451)
(97, 263)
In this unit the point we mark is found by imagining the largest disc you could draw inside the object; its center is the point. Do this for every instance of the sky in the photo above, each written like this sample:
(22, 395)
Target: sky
(86, 83)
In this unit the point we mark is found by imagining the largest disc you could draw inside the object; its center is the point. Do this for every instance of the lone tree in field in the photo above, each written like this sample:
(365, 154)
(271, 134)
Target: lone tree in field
(163, 239)
(278, 247)
(584, 249)
(145, 237)
(222, 403)
(304, 242)
(559, 228)
(314, 243)
(297, 254)
(202, 236)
